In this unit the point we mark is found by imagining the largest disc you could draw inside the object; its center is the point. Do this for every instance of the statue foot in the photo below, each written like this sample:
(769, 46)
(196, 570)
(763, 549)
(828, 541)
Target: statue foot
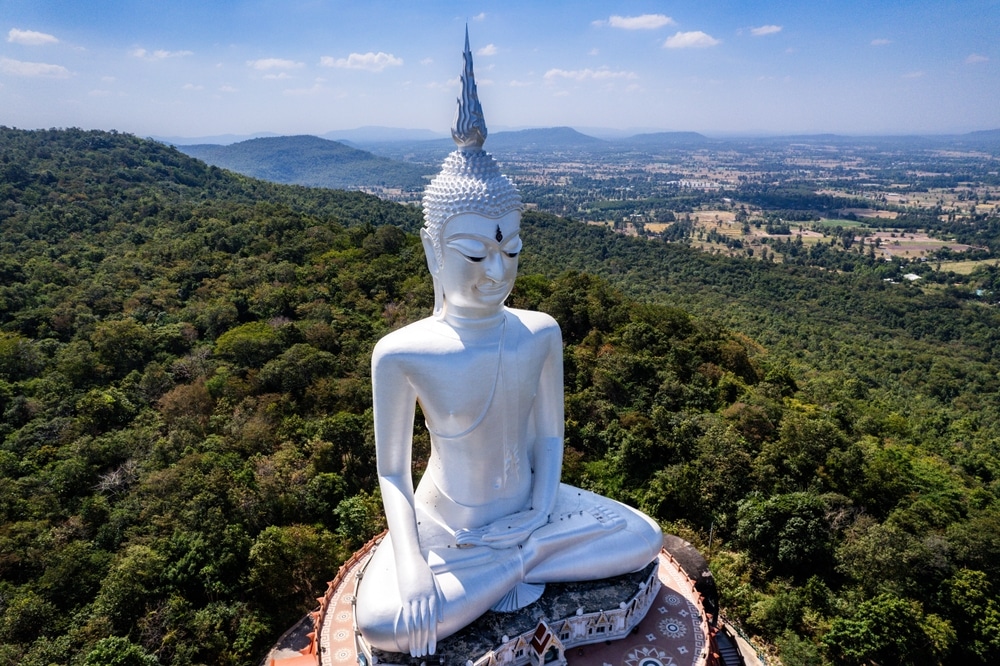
(608, 518)
(593, 519)
(519, 596)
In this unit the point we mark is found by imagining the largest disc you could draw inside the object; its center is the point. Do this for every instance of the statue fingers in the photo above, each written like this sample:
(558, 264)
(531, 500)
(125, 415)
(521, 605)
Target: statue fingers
(509, 536)
(471, 537)
(432, 620)
(410, 626)
(438, 605)
(500, 541)
(417, 627)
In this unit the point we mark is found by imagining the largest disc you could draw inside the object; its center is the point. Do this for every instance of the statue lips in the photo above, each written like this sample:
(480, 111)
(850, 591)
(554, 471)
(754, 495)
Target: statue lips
(491, 289)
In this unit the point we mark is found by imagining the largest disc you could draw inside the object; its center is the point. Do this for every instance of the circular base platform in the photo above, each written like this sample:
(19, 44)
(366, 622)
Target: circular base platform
(674, 631)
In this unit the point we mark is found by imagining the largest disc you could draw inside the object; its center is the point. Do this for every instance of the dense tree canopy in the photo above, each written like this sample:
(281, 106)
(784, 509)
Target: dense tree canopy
(186, 451)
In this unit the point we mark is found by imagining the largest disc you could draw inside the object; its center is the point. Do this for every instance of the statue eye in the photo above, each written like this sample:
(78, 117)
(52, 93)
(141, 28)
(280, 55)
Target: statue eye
(472, 250)
(512, 248)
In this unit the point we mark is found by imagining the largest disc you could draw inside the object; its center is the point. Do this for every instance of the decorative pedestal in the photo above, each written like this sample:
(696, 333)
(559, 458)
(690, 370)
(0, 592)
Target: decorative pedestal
(651, 618)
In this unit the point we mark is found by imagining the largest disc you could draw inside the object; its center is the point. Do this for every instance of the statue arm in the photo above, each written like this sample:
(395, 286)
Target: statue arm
(550, 422)
(394, 406)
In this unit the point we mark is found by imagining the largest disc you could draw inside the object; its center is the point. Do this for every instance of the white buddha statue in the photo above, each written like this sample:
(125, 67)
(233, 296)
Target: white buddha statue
(489, 522)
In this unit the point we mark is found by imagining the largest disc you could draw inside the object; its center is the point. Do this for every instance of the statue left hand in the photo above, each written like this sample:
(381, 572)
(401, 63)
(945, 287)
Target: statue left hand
(504, 533)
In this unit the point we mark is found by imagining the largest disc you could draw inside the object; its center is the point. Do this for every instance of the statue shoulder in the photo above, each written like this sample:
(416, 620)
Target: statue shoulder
(539, 323)
(412, 338)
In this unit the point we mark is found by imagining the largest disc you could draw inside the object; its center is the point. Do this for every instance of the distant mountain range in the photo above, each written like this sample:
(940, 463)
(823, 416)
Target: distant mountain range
(311, 161)
(406, 159)
(217, 139)
(543, 139)
(668, 140)
(553, 140)
(375, 134)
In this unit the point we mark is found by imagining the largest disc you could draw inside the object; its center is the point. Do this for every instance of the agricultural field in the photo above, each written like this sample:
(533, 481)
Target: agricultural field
(714, 231)
(885, 204)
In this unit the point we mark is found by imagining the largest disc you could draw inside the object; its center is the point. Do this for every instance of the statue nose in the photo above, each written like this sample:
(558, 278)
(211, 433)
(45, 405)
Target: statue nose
(494, 266)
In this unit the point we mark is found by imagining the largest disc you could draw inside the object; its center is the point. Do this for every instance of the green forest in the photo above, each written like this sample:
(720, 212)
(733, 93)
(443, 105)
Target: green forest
(186, 451)
(312, 161)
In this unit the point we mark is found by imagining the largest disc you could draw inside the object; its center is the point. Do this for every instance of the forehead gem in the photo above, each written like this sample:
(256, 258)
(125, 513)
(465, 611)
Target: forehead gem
(499, 234)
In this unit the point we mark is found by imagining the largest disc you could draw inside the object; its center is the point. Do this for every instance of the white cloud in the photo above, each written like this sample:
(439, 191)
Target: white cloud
(373, 62)
(765, 30)
(192, 86)
(696, 39)
(33, 69)
(266, 64)
(594, 51)
(881, 41)
(427, 61)
(520, 84)
(30, 37)
(227, 89)
(488, 50)
(975, 58)
(159, 54)
(481, 16)
(99, 93)
(913, 75)
(644, 22)
(602, 74)
(280, 76)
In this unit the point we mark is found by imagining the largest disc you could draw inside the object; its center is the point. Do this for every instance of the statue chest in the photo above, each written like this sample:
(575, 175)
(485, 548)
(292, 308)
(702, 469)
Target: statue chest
(479, 422)
(464, 389)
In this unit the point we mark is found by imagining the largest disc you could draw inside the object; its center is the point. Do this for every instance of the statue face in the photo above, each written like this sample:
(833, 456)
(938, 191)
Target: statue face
(479, 261)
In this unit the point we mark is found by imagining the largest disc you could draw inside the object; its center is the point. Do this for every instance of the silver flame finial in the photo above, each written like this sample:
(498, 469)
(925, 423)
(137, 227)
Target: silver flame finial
(469, 129)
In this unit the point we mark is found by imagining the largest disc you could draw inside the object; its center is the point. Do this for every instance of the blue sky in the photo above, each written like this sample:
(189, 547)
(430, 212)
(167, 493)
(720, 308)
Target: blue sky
(201, 67)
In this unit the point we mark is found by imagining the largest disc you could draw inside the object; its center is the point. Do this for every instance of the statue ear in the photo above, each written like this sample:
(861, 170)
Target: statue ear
(432, 261)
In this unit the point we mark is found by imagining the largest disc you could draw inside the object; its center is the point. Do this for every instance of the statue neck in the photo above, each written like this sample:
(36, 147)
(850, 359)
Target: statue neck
(462, 321)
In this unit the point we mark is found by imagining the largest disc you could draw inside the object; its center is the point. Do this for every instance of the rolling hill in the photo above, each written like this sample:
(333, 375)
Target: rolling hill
(311, 161)
(667, 140)
(546, 139)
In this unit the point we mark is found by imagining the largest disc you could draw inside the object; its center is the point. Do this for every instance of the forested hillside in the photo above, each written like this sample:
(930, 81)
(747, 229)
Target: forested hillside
(855, 491)
(312, 161)
(186, 452)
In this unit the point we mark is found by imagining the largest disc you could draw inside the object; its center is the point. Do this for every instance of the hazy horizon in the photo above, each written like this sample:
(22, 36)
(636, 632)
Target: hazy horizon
(606, 133)
(193, 69)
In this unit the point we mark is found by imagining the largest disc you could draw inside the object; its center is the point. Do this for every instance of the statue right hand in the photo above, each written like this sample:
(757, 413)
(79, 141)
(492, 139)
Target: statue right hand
(422, 606)
(506, 532)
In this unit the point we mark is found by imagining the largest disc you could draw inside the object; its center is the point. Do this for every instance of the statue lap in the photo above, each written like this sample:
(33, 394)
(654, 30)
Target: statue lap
(589, 537)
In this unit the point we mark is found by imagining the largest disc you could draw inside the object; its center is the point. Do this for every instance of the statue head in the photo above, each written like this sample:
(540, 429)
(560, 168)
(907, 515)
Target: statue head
(471, 188)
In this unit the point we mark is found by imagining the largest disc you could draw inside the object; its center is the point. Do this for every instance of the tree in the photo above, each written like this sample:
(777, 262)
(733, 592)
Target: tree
(803, 445)
(286, 562)
(889, 630)
(974, 610)
(133, 581)
(122, 345)
(119, 651)
(789, 533)
(25, 617)
(250, 345)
